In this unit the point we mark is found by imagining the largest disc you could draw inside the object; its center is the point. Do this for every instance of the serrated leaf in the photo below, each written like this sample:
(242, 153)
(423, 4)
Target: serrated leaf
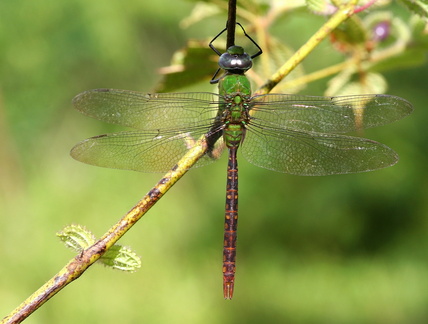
(419, 32)
(366, 83)
(349, 34)
(405, 46)
(382, 20)
(336, 84)
(200, 11)
(407, 59)
(121, 258)
(320, 7)
(76, 237)
(191, 65)
(274, 55)
(419, 7)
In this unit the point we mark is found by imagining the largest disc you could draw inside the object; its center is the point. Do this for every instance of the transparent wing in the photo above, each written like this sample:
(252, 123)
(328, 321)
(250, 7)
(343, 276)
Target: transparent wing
(147, 111)
(327, 114)
(170, 123)
(139, 151)
(314, 154)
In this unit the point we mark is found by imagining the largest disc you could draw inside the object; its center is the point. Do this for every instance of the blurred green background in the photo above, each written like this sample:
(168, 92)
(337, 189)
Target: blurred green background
(338, 249)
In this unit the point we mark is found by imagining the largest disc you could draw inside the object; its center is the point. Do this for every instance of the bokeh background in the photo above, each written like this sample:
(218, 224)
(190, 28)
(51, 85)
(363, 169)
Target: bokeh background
(337, 249)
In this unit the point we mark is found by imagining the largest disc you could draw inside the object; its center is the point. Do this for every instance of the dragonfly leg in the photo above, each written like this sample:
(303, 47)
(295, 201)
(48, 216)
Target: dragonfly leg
(230, 225)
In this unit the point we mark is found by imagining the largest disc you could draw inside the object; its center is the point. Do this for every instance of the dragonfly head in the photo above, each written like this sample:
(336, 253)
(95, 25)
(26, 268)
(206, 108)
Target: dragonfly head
(235, 60)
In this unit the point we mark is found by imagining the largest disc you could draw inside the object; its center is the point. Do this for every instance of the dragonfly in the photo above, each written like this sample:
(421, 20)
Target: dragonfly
(288, 133)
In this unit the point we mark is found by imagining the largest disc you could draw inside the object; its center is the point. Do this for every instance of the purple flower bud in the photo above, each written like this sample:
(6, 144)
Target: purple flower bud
(381, 31)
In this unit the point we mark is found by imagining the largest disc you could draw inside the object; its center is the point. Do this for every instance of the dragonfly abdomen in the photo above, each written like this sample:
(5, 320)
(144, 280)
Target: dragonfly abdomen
(230, 224)
(233, 135)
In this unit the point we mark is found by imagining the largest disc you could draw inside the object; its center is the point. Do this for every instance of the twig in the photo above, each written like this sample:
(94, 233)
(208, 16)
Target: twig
(340, 16)
(75, 268)
(231, 23)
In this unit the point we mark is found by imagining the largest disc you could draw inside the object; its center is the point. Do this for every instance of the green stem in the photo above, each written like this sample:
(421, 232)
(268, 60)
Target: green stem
(340, 16)
(311, 77)
(75, 268)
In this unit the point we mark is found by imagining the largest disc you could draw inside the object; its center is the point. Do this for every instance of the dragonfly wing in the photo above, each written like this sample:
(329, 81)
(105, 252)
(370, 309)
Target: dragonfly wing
(314, 154)
(146, 152)
(146, 111)
(340, 114)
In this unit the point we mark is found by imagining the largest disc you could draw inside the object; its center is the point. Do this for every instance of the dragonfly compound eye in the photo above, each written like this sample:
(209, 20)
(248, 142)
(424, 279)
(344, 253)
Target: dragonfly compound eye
(235, 60)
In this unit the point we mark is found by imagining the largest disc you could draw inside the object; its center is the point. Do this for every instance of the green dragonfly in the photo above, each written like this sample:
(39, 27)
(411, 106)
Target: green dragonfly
(296, 134)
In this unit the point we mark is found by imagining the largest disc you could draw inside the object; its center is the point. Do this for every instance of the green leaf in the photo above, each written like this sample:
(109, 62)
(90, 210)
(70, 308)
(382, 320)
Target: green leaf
(407, 59)
(320, 7)
(201, 11)
(274, 55)
(352, 32)
(189, 66)
(339, 81)
(366, 83)
(419, 7)
(76, 237)
(121, 258)
(118, 257)
(342, 84)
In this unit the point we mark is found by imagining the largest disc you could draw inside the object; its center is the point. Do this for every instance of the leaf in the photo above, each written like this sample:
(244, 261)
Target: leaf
(410, 42)
(342, 84)
(118, 257)
(367, 83)
(339, 81)
(349, 34)
(273, 57)
(320, 7)
(121, 258)
(407, 59)
(189, 66)
(76, 237)
(201, 11)
(419, 7)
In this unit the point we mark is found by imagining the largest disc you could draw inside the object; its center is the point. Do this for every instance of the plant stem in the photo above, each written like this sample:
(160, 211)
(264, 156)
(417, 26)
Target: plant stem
(340, 16)
(75, 268)
(231, 23)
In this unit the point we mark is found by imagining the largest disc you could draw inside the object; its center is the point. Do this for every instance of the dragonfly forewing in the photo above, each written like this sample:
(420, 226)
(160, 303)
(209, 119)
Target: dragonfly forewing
(327, 114)
(169, 125)
(149, 111)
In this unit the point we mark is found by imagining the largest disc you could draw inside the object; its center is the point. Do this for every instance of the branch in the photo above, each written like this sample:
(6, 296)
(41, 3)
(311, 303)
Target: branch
(340, 16)
(75, 268)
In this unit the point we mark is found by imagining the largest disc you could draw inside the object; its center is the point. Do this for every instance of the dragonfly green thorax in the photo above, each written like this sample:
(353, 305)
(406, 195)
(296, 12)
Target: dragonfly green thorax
(231, 84)
(235, 94)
